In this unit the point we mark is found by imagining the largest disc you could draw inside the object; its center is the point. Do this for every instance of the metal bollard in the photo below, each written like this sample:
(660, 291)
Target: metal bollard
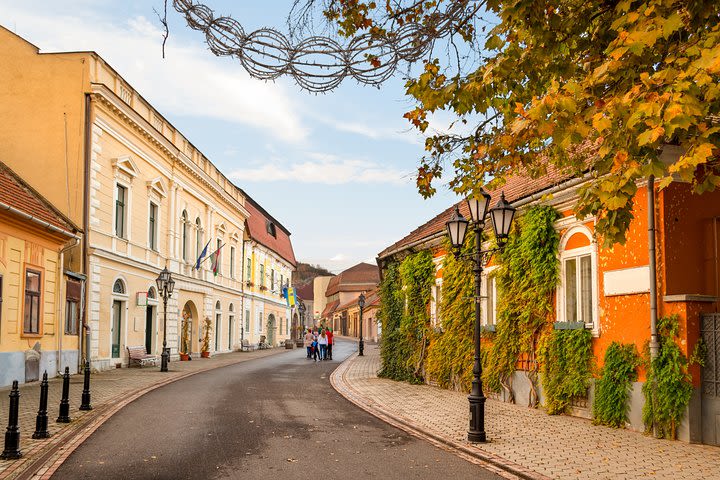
(85, 405)
(64, 416)
(41, 422)
(12, 435)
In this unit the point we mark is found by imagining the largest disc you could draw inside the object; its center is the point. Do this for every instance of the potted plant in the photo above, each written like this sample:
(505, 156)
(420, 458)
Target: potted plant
(185, 338)
(205, 347)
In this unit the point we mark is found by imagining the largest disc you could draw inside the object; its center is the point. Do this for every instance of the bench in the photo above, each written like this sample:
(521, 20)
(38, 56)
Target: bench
(246, 347)
(140, 356)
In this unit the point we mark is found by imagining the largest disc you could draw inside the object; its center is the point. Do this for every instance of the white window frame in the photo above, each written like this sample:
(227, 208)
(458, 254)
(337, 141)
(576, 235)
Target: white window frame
(232, 262)
(577, 253)
(435, 302)
(489, 273)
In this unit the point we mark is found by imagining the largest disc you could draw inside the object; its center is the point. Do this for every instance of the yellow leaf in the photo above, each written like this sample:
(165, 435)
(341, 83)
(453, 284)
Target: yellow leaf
(651, 135)
(600, 122)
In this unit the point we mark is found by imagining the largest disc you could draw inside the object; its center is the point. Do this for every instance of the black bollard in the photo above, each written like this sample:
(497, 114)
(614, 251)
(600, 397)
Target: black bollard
(12, 435)
(64, 416)
(85, 405)
(41, 422)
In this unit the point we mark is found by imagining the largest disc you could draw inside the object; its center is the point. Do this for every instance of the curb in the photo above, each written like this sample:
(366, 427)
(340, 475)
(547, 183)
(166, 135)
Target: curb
(66, 442)
(487, 460)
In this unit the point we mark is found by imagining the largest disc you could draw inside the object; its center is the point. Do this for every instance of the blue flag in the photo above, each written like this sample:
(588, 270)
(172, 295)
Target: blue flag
(202, 255)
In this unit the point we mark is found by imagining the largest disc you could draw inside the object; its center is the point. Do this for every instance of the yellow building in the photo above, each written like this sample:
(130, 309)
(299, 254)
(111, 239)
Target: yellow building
(146, 197)
(39, 305)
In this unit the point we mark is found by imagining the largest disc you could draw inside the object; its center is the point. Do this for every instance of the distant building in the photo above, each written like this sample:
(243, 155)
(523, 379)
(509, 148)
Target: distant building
(306, 295)
(320, 285)
(344, 288)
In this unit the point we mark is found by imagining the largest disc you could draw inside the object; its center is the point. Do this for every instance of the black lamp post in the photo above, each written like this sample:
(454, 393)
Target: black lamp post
(301, 309)
(361, 304)
(165, 285)
(502, 215)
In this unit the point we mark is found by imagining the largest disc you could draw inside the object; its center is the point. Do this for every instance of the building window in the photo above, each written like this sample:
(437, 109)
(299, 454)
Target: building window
(119, 287)
(247, 320)
(261, 282)
(198, 237)
(491, 303)
(272, 279)
(435, 302)
(260, 321)
(577, 299)
(184, 221)
(120, 211)
(72, 307)
(152, 226)
(32, 302)
(232, 262)
(248, 270)
(270, 227)
(578, 289)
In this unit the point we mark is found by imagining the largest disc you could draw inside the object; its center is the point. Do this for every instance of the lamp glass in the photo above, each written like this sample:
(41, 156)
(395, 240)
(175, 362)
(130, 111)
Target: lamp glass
(171, 286)
(502, 217)
(457, 228)
(361, 301)
(478, 206)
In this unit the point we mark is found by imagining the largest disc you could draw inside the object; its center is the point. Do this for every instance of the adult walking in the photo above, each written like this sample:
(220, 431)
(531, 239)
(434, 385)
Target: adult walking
(330, 343)
(323, 343)
(308, 342)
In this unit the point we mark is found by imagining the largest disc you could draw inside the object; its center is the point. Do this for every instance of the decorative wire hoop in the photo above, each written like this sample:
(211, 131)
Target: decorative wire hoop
(317, 64)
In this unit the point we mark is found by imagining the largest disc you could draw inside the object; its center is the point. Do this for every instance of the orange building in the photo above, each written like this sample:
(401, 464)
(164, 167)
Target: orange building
(608, 289)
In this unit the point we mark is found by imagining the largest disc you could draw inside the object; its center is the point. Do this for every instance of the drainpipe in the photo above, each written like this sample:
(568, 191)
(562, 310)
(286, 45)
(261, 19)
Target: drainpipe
(654, 343)
(86, 226)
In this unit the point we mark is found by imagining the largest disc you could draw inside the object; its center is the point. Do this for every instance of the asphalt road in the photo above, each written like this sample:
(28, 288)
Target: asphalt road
(275, 417)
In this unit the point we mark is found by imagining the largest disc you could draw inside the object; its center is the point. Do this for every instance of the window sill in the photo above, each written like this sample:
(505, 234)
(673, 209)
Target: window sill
(31, 335)
(570, 326)
(488, 328)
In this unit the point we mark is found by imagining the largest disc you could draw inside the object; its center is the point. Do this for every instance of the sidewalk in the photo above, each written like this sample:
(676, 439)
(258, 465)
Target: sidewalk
(110, 390)
(524, 442)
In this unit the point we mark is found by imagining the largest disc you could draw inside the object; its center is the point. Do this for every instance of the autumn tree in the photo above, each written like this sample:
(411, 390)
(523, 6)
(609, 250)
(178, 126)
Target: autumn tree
(617, 78)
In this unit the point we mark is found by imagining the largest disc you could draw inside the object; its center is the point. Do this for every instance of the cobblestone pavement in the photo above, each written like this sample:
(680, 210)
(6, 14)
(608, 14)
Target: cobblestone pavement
(528, 442)
(110, 391)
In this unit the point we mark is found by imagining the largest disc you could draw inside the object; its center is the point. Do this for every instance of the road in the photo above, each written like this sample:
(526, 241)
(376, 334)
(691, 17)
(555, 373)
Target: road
(276, 417)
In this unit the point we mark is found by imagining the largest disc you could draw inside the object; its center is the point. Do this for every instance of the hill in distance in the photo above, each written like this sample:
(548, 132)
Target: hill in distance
(306, 273)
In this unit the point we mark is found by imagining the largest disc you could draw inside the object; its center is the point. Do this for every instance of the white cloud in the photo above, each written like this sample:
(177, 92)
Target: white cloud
(324, 169)
(338, 258)
(189, 81)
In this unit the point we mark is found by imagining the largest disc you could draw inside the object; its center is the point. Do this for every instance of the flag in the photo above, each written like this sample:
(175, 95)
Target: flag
(291, 297)
(202, 255)
(214, 259)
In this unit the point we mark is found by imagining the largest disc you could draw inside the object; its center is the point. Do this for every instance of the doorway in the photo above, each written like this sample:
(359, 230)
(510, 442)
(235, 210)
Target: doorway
(710, 387)
(231, 320)
(271, 330)
(149, 328)
(218, 320)
(115, 333)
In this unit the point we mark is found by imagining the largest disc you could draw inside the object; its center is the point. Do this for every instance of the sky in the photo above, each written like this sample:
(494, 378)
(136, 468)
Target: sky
(336, 169)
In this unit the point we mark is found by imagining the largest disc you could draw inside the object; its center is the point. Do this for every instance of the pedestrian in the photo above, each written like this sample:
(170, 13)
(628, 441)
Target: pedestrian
(308, 342)
(315, 348)
(323, 343)
(330, 343)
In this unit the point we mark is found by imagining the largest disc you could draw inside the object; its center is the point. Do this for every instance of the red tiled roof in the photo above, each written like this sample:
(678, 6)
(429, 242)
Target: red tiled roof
(18, 194)
(516, 188)
(307, 291)
(330, 308)
(257, 228)
(372, 298)
(358, 278)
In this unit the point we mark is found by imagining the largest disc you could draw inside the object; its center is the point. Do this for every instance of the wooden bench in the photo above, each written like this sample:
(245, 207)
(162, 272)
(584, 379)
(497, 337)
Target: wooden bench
(140, 356)
(246, 346)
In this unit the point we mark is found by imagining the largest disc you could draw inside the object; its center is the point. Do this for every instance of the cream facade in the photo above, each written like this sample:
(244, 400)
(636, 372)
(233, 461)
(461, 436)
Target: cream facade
(146, 198)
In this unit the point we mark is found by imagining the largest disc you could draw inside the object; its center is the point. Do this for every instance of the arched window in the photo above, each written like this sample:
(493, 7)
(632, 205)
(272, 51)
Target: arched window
(231, 308)
(184, 222)
(198, 237)
(119, 287)
(578, 292)
(218, 306)
(151, 293)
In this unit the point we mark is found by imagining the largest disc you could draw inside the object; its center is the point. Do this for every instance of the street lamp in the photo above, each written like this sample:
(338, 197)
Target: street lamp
(301, 309)
(165, 285)
(502, 216)
(361, 304)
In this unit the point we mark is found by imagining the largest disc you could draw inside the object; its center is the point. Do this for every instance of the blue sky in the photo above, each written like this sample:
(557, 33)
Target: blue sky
(335, 169)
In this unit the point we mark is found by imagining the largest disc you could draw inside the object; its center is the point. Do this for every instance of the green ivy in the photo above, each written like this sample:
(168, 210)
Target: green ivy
(566, 357)
(450, 357)
(668, 387)
(404, 346)
(528, 275)
(612, 389)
